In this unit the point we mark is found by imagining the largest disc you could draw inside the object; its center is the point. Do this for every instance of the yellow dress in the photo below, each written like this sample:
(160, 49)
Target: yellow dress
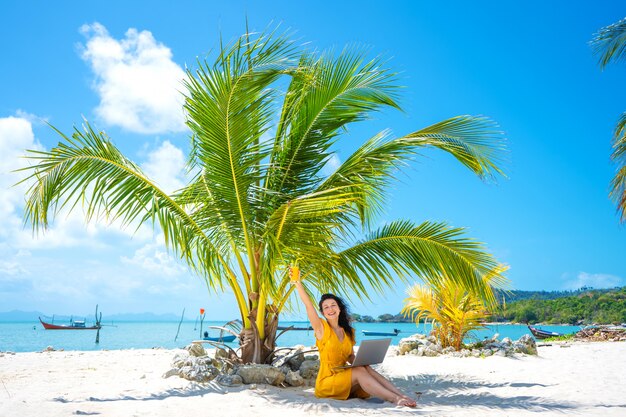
(334, 383)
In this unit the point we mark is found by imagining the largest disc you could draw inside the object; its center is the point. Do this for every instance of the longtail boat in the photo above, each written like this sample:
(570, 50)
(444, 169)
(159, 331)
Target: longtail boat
(226, 334)
(543, 334)
(74, 325)
(294, 328)
(375, 333)
(223, 339)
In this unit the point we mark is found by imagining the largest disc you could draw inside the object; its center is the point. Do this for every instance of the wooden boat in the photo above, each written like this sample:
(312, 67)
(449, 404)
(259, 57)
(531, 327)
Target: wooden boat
(74, 325)
(222, 339)
(375, 333)
(543, 334)
(294, 328)
(226, 334)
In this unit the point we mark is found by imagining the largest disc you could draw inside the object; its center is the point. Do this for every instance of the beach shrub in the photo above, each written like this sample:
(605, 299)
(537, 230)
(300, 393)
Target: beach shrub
(453, 310)
(562, 338)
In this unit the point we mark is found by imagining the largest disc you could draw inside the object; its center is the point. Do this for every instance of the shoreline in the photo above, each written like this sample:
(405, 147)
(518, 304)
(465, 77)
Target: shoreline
(23, 338)
(572, 377)
(189, 321)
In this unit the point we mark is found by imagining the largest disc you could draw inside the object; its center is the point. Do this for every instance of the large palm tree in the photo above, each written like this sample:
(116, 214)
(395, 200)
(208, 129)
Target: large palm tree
(263, 119)
(610, 45)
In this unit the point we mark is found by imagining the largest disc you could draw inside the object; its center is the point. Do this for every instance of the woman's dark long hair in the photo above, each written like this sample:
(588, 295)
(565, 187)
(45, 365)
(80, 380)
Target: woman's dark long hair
(344, 316)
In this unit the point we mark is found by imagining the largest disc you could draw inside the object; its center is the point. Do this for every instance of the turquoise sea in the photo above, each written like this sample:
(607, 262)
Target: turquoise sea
(31, 337)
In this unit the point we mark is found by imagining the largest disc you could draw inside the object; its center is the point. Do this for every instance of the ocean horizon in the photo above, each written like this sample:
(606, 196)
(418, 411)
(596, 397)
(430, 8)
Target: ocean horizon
(30, 336)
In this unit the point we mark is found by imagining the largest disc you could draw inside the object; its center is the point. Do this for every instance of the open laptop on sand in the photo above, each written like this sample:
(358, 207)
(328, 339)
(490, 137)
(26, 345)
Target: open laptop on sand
(370, 352)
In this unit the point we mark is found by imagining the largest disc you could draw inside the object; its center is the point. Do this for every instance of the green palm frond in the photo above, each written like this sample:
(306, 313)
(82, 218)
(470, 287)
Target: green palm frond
(310, 230)
(421, 303)
(230, 108)
(201, 205)
(325, 96)
(88, 169)
(619, 141)
(618, 192)
(307, 227)
(474, 141)
(369, 171)
(332, 208)
(610, 43)
(618, 183)
(402, 248)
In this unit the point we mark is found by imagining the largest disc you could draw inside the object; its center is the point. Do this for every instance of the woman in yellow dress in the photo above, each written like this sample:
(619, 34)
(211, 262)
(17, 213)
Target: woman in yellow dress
(335, 341)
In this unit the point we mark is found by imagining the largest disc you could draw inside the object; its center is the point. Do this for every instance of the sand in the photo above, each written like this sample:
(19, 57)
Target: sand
(579, 379)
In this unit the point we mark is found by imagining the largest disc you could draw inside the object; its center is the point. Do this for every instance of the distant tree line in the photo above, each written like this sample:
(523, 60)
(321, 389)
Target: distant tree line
(383, 318)
(583, 306)
(586, 307)
(517, 295)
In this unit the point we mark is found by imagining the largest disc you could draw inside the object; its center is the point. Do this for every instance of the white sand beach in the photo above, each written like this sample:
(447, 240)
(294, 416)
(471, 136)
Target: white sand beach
(580, 379)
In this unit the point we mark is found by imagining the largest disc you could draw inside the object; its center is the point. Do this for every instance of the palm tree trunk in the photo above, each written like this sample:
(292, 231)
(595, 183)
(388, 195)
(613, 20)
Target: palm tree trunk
(253, 348)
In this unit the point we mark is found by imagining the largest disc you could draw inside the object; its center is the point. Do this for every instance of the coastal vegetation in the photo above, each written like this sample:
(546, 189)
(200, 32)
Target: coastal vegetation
(383, 318)
(610, 45)
(264, 117)
(583, 306)
(516, 295)
(601, 307)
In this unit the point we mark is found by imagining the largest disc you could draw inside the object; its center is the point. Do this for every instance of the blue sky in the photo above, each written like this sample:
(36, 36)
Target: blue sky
(526, 65)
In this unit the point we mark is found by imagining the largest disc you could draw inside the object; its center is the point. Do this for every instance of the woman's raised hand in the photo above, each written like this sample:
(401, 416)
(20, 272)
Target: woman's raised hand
(294, 274)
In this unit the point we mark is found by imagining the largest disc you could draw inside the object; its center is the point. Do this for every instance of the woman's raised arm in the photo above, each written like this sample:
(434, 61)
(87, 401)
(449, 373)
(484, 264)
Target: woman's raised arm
(311, 312)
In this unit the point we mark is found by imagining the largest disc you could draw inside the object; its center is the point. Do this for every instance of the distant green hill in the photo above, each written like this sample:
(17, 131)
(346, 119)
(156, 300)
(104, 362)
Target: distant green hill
(383, 318)
(518, 295)
(17, 315)
(32, 316)
(586, 306)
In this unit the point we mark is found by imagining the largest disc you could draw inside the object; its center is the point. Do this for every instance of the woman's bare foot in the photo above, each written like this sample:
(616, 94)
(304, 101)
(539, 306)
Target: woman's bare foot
(413, 400)
(405, 401)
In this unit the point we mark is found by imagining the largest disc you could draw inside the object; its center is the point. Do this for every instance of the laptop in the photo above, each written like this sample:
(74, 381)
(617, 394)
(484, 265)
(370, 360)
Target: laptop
(370, 352)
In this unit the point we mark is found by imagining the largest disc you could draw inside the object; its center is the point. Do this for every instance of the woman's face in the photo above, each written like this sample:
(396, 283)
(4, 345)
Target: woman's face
(330, 309)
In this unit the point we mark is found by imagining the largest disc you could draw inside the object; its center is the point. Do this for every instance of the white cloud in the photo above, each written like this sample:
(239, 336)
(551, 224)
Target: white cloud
(69, 283)
(32, 118)
(138, 83)
(154, 258)
(165, 166)
(71, 230)
(10, 268)
(40, 273)
(16, 135)
(585, 279)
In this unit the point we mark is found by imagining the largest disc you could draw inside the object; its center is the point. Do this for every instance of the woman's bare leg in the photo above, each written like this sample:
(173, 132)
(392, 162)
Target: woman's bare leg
(386, 383)
(372, 386)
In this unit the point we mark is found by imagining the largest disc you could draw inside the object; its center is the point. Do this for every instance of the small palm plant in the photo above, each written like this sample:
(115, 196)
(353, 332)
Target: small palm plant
(452, 310)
